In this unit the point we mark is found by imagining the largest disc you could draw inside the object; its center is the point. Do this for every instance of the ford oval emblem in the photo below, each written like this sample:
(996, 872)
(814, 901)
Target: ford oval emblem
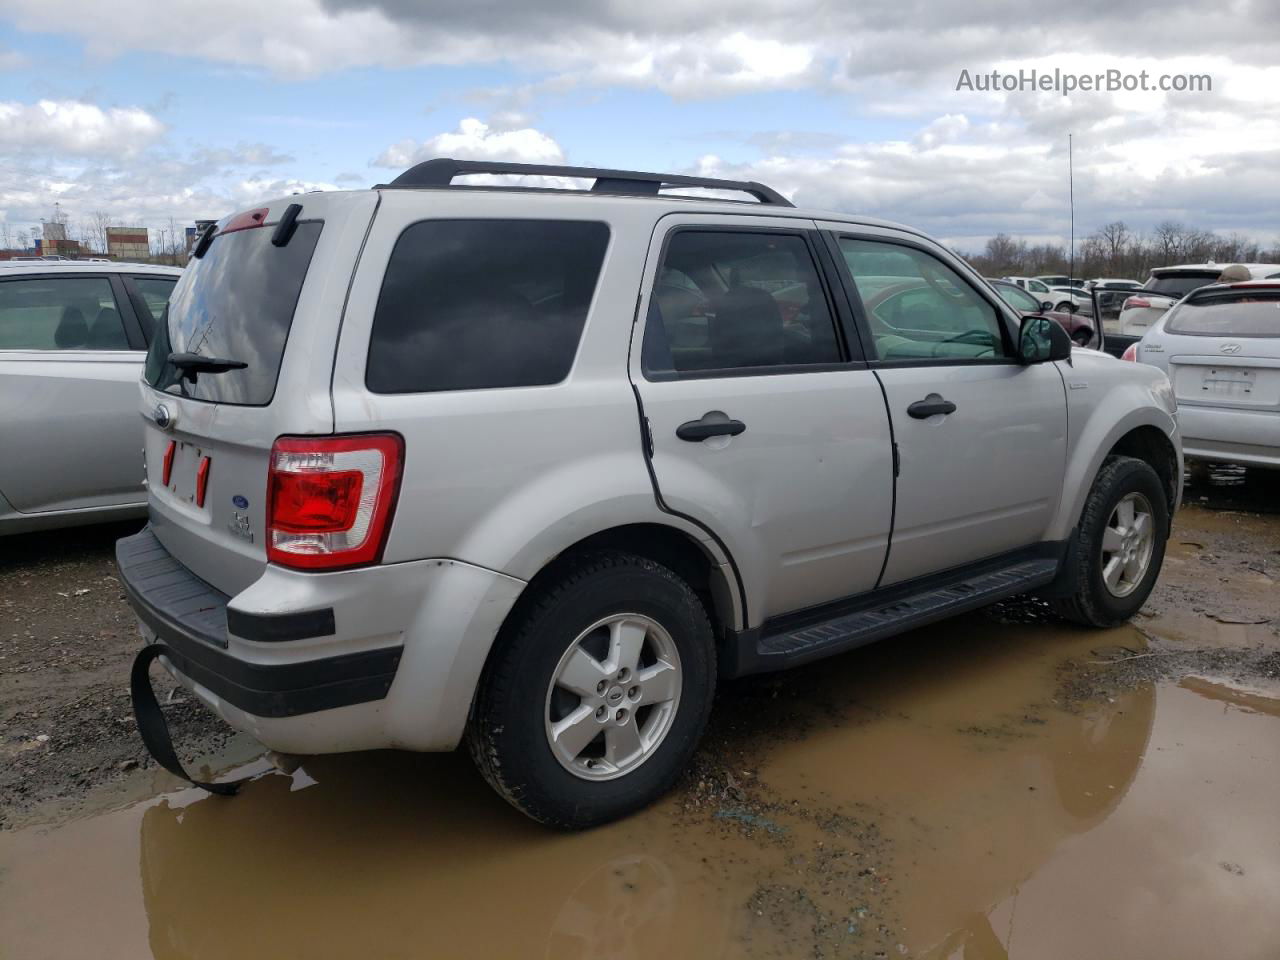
(240, 502)
(162, 417)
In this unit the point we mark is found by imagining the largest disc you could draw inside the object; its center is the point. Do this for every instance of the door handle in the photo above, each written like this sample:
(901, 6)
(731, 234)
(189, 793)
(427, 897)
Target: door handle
(697, 430)
(930, 406)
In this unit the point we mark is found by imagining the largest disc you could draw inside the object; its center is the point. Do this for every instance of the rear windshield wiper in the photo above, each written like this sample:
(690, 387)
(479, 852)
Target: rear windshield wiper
(193, 364)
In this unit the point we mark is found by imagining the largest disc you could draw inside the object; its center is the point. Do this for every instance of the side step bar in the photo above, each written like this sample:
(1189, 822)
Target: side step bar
(794, 639)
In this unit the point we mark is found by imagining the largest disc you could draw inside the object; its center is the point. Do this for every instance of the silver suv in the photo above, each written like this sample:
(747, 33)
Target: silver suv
(535, 468)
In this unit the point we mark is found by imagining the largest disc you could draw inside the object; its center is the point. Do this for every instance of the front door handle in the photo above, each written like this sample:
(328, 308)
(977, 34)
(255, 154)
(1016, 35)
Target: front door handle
(930, 406)
(720, 426)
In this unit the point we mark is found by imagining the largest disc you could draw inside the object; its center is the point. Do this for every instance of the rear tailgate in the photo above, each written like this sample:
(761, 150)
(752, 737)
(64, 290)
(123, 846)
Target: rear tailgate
(277, 309)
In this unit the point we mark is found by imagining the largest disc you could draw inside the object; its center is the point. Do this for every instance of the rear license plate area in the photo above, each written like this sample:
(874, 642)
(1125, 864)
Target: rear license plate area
(184, 474)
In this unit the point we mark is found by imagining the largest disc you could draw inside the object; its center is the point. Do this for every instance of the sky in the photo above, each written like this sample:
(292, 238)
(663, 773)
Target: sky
(147, 111)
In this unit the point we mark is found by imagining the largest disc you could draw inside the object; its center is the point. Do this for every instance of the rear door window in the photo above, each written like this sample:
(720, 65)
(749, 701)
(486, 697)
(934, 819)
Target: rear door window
(60, 313)
(1237, 314)
(235, 303)
(728, 301)
(473, 304)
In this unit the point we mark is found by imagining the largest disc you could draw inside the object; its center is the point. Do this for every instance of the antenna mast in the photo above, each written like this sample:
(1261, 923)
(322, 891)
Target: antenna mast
(1071, 199)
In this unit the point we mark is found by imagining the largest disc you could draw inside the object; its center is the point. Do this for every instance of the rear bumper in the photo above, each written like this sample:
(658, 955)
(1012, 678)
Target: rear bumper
(1250, 437)
(190, 617)
(382, 656)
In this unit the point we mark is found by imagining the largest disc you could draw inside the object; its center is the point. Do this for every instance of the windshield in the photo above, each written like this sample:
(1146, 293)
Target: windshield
(1240, 313)
(235, 303)
(1180, 284)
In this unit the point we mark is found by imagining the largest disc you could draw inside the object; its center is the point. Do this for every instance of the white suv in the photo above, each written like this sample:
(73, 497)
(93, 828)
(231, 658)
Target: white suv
(536, 468)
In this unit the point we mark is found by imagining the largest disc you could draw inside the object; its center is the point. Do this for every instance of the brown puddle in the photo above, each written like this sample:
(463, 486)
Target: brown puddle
(931, 797)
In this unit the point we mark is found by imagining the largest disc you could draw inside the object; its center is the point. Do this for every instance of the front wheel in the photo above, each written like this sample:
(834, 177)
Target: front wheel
(1066, 306)
(1082, 336)
(1121, 544)
(595, 697)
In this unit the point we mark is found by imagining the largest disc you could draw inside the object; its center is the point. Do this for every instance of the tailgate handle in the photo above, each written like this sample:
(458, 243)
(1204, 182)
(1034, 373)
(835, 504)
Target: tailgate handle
(713, 424)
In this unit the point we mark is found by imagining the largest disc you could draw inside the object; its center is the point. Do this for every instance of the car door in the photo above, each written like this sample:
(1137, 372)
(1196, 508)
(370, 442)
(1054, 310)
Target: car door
(71, 353)
(765, 425)
(981, 438)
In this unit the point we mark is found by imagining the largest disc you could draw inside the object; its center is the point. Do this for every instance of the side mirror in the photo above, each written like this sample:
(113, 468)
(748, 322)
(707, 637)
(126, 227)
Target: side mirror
(1046, 305)
(1041, 340)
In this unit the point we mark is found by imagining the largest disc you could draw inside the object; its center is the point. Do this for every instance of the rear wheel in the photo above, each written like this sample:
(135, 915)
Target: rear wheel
(1082, 336)
(1121, 544)
(596, 696)
(1066, 306)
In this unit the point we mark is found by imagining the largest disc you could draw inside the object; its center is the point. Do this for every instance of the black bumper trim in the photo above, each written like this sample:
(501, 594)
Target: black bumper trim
(280, 627)
(190, 617)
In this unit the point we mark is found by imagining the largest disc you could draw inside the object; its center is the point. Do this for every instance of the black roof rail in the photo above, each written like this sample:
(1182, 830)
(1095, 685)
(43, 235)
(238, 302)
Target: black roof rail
(441, 171)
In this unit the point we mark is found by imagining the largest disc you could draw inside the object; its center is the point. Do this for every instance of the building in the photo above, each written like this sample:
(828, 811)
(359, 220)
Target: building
(128, 243)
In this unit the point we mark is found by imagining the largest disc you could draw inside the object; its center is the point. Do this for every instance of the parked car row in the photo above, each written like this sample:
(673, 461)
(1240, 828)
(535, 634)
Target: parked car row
(73, 335)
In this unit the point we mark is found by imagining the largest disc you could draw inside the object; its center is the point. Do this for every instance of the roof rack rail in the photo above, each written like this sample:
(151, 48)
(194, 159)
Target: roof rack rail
(441, 171)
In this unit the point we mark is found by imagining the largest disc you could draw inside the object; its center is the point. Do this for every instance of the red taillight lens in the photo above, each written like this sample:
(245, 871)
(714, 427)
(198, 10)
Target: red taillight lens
(1133, 303)
(306, 504)
(330, 499)
(1130, 353)
(166, 467)
(202, 480)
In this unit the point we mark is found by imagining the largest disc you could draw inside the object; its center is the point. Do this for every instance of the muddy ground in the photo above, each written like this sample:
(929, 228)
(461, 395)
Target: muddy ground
(919, 797)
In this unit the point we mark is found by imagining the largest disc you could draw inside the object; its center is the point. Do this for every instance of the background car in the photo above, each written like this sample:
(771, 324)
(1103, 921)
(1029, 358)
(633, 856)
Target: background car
(1124, 325)
(1060, 280)
(1220, 347)
(72, 341)
(1079, 327)
(1037, 288)
(1111, 283)
(1070, 299)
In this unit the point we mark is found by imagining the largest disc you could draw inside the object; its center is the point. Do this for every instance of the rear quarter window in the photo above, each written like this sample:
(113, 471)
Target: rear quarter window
(472, 304)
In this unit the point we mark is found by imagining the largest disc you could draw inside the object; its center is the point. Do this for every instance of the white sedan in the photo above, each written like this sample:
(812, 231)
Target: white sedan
(1220, 347)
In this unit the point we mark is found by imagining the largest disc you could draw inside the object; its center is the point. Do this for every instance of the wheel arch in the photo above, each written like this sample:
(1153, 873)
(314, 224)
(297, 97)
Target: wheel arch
(1145, 432)
(699, 563)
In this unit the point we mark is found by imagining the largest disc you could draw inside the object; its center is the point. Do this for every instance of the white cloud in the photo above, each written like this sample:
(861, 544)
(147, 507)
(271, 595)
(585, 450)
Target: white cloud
(476, 140)
(69, 126)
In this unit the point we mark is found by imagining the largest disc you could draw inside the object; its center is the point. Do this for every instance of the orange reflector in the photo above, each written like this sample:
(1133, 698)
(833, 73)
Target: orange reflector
(167, 467)
(202, 480)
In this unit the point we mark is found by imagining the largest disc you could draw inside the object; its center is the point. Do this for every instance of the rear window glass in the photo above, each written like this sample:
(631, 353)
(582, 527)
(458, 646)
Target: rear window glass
(60, 313)
(470, 304)
(1180, 284)
(1233, 315)
(235, 303)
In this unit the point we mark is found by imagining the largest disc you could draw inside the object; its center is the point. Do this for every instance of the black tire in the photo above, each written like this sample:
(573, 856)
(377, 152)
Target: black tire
(1091, 603)
(507, 736)
(1082, 336)
(1066, 306)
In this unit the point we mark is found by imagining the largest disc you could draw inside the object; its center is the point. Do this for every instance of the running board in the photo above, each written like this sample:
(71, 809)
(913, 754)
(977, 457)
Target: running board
(800, 638)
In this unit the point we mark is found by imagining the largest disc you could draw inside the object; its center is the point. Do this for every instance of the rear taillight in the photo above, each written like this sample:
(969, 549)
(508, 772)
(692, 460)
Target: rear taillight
(1133, 303)
(1130, 353)
(330, 499)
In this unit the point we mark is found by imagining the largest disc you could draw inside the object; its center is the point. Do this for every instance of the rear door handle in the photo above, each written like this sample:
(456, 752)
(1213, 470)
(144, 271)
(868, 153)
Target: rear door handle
(698, 430)
(930, 406)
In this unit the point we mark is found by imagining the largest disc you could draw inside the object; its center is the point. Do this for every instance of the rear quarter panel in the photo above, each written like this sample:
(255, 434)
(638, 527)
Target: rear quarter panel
(508, 478)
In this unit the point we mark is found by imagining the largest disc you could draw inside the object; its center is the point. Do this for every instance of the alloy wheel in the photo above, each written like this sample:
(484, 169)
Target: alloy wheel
(613, 696)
